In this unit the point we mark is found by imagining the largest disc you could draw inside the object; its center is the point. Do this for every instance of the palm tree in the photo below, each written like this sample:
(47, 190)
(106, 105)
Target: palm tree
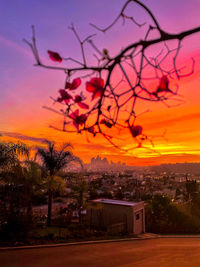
(53, 161)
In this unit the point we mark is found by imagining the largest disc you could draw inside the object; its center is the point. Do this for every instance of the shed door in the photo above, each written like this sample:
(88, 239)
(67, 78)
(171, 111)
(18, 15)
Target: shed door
(138, 222)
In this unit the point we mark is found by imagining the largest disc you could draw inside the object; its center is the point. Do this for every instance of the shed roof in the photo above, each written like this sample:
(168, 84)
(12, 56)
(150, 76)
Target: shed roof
(116, 202)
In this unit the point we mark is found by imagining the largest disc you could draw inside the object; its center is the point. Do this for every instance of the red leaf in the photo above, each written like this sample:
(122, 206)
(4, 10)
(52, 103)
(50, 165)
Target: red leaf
(91, 130)
(136, 130)
(78, 119)
(54, 56)
(76, 125)
(83, 105)
(78, 99)
(74, 114)
(107, 123)
(163, 86)
(74, 85)
(64, 96)
(95, 86)
(97, 94)
(164, 82)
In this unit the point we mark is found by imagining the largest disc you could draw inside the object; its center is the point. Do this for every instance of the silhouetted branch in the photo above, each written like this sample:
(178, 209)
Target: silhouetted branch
(102, 105)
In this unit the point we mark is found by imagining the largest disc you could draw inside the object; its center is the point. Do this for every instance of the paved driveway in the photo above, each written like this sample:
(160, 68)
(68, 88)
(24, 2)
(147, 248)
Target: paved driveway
(156, 252)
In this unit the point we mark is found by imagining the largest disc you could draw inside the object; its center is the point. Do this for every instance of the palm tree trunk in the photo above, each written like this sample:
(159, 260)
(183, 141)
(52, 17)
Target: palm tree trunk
(80, 216)
(50, 200)
(29, 211)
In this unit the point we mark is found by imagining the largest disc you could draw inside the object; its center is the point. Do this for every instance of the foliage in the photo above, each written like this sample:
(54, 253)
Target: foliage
(9, 153)
(164, 217)
(79, 191)
(191, 188)
(16, 227)
(21, 181)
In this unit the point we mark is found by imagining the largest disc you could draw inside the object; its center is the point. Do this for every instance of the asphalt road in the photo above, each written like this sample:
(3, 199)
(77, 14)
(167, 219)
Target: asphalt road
(153, 253)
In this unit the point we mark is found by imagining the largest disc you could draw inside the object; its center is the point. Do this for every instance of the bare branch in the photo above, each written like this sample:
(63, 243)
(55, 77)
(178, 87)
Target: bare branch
(104, 105)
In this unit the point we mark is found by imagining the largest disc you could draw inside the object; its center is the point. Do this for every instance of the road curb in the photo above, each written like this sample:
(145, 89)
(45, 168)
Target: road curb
(76, 243)
(179, 236)
(97, 242)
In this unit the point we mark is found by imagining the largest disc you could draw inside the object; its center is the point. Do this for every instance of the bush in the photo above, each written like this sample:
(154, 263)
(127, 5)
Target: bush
(16, 227)
(164, 217)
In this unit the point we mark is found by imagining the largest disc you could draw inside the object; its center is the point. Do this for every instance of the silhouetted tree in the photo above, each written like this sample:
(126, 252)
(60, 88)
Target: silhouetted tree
(53, 161)
(21, 178)
(33, 181)
(9, 154)
(79, 191)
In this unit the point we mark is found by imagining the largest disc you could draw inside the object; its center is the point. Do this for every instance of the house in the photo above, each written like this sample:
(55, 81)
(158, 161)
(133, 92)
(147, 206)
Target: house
(116, 216)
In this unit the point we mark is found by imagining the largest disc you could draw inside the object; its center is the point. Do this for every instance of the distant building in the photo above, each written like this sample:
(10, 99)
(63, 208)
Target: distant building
(117, 216)
(103, 165)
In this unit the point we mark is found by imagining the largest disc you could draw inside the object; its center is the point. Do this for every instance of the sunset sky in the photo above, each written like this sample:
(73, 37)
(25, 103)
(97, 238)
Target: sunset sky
(25, 88)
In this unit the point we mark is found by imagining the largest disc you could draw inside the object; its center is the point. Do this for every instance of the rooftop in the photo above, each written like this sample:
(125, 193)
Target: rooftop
(116, 202)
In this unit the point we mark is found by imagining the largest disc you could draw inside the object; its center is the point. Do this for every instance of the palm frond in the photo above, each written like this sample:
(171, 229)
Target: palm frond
(54, 159)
